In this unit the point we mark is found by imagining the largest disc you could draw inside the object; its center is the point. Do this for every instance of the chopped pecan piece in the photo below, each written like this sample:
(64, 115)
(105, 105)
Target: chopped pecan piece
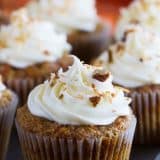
(61, 96)
(134, 21)
(141, 59)
(46, 52)
(126, 34)
(95, 100)
(113, 94)
(110, 56)
(120, 47)
(101, 76)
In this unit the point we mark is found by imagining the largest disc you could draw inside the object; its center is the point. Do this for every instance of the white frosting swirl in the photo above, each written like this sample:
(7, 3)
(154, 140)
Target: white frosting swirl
(67, 15)
(143, 12)
(26, 41)
(66, 98)
(136, 61)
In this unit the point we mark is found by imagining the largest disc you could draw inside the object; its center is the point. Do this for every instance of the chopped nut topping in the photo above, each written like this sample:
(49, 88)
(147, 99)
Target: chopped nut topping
(95, 100)
(52, 83)
(46, 52)
(93, 86)
(113, 94)
(56, 75)
(141, 59)
(101, 76)
(79, 97)
(61, 96)
(52, 79)
(110, 56)
(108, 96)
(120, 47)
(124, 38)
(134, 21)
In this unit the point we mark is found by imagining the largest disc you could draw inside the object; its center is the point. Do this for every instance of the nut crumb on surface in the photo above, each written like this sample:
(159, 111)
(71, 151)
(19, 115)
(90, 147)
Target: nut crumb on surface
(134, 21)
(95, 100)
(120, 47)
(113, 94)
(61, 96)
(102, 77)
(141, 59)
(110, 56)
(46, 52)
(124, 38)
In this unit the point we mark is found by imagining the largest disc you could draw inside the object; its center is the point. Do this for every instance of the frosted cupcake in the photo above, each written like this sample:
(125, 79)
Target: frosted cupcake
(142, 12)
(29, 51)
(135, 64)
(88, 35)
(8, 104)
(77, 114)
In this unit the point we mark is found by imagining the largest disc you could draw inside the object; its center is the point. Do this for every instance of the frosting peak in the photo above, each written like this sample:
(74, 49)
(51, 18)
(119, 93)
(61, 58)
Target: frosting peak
(82, 95)
(27, 41)
(142, 12)
(134, 61)
(67, 15)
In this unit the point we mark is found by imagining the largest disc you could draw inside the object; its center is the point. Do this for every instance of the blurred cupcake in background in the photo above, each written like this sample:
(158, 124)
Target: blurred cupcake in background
(77, 114)
(8, 105)
(88, 35)
(141, 12)
(30, 50)
(4, 18)
(135, 64)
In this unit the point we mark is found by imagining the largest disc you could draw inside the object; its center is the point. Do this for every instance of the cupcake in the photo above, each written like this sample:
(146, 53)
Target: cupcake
(77, 114)
(88, 34)
(30, 50)
(142, 12)
(135, 65)
(8, 104)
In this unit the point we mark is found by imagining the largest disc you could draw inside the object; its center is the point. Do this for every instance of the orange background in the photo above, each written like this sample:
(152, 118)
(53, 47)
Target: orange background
(108, 9)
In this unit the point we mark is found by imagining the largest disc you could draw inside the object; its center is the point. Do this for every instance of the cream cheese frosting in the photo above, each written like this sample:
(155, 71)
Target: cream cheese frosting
(27, 41)
(67, 15)
(135, 61)
(83, 95)
(142, 12)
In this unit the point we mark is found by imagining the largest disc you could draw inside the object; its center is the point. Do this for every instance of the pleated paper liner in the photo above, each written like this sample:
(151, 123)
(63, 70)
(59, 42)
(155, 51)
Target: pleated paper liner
(113, 147)
(89, 45)
(146, 106)
(6, 120)
(23, 86)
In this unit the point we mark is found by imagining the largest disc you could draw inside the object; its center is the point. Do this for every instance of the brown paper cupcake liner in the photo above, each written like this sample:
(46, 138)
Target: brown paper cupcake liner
(111, 147)
(23, 86)
(6, 121)
(146, 106)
